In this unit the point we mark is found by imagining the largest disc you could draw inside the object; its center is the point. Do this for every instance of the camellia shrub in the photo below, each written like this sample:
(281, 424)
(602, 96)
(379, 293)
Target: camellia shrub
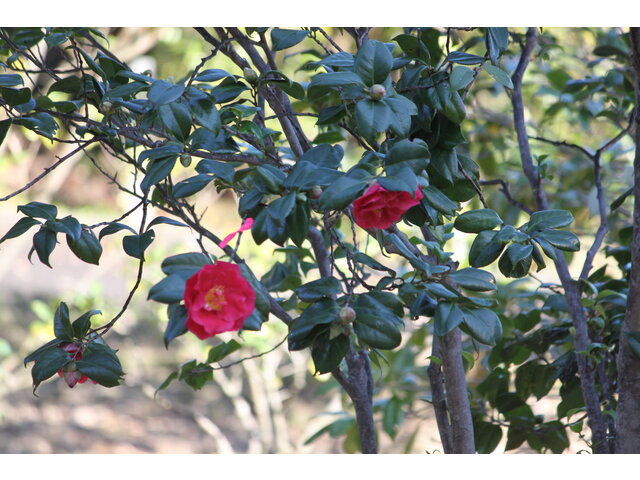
(361, 165)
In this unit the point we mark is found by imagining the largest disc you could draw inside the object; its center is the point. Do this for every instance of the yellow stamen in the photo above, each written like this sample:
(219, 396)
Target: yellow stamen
(214, 299)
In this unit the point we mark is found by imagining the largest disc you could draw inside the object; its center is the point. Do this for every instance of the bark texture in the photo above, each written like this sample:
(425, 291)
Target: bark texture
(628, 412)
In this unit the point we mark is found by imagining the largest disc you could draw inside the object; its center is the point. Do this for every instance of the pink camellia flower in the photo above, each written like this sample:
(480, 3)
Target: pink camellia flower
(218, 299)
(381, 208)
(246, 225)
(70, 372)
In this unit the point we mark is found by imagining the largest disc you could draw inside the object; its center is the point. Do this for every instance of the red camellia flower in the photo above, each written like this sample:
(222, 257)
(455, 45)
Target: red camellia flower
(218, 299)
(381, 208)
(69, 372)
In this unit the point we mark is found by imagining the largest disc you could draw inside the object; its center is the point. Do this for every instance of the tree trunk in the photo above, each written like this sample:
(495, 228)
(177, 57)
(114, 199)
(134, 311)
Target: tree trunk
(628, 413)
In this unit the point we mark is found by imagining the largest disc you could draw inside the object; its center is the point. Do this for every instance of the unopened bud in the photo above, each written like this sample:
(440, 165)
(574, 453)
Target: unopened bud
(347, 314)
(315, 192)
(106, 107)
(249, 74)
(185, 159)
(377, 92)
(301, 197)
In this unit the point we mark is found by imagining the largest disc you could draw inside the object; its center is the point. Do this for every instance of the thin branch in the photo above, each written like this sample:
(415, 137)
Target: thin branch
(504, 188)
(49, 169)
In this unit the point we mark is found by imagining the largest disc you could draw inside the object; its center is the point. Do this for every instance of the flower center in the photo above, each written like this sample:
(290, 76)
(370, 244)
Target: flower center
(214, 299)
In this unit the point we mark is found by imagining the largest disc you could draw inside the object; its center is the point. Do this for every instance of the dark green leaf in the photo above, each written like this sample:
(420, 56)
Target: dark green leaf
(464, 58)
(184, 264)
(87, 248)
(484, 249)
(135, 245)
(35, 355)
(460, 77)
(561, 239)
(484, 325)
(39, 210)
(372, 117)
(375, 324)
(21, 226)
(319, 313)
(176, 117)
(157, 170)
(162, 93)
(474, 279)
(166, 221)
(49, 361)
(313, 291)
(223, 350)
(477, 221)
(44, 241)
(177, 323)
(447, 317)
(82, 324)
(10, 80)
(114, 228)
(282, 39)
(61, 324)
(549, 219)
(328, 353)
(341, 193)
(4, 128)
(168, 290)
(100, 363)
(373, 62)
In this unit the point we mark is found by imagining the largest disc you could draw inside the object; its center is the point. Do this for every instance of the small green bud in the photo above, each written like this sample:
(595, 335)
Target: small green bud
(106, 107)
(377, 92)
(315, 192)
(301, 197)
(185, 159)
(249, 75)
(347, 315)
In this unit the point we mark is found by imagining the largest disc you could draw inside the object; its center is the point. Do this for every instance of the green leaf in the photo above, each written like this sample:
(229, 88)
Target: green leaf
(191, 185)
(328, 353)
(402, 109)
(497, 40)
(44, 241)
(319, 313)
(114, 228)
(476, 221)
(282, 39)
(499, 75)
(474, 279)
(392, 416)
(211, 75)
(135, 245)
(484, 249)
(414, 153)
(157, 170)
(560, 239)
(375, 324)
(633, 339)
(68, 225)
(49, 361)
(87, 248)
(614, 205)
(298, 223)
(184, 264)
(82, 324)
(10, 80)
(61, 324)
(205, 112)
(447, 317)
(372, 117)
(464, 58)
(162, 93)
(39, 210)
(176, 117)
(318, 289)
(438, 200)
(4, 128)
(549, 219)
(168, 290)
(165, 221)
(516, 261)
(460, 77)
(341, 193)
(177, 323)
(373, 62)
(484, 325)
(21, 226)
(223, 350)
(100, 363)
(35, 355)
(322, 83)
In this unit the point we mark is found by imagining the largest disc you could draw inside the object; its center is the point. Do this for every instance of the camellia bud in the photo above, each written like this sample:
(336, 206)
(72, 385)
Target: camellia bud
(106, 107)
(377, 92)
(185, 159)
(315, 192)
(249, 74)
(347, 314)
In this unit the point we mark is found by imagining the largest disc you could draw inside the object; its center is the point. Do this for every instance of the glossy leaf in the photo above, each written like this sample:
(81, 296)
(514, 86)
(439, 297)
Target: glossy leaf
(176, 325)
(87, 248)
(373, 62)
(135, 245)
(101, 364)
(282, 39)
(476, 221)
